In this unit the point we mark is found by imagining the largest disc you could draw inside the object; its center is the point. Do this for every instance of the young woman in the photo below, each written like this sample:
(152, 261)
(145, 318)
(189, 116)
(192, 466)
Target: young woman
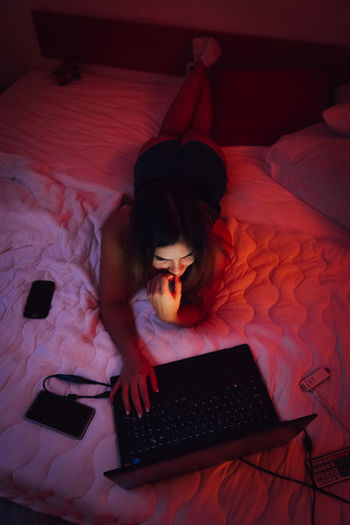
(170, 239)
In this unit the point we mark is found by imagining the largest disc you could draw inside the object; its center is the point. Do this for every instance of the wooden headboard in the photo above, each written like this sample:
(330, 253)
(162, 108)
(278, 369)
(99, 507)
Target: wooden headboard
(166, 49)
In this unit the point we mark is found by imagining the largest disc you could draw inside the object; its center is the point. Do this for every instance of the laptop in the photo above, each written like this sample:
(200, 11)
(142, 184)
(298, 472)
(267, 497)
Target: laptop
(210, 409)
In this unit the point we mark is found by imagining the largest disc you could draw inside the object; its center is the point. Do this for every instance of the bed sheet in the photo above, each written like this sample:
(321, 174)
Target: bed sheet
(286, 293)
(92, 128)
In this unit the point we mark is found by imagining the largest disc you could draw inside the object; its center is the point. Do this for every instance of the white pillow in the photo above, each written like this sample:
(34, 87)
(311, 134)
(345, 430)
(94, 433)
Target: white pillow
(314, 164)
(338, 118)
(342, 94)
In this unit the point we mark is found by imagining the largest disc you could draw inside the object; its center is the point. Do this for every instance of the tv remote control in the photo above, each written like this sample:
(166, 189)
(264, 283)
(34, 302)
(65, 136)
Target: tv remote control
(331, 468)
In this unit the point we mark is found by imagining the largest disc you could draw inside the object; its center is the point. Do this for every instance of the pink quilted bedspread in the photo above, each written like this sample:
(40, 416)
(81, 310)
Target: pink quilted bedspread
(286, 294)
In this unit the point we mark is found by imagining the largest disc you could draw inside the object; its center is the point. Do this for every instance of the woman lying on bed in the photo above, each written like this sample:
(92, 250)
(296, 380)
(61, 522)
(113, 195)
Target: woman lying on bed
(170, 239)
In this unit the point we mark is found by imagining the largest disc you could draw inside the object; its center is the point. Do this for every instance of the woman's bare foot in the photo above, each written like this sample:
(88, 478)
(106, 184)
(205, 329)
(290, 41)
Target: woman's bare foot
(206, 49)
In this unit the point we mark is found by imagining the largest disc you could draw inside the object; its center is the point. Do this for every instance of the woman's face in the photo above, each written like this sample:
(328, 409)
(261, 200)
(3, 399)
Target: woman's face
(175, 258)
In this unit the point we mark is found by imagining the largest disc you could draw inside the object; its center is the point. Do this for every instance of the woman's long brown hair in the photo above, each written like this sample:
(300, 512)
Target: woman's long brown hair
(163, 213)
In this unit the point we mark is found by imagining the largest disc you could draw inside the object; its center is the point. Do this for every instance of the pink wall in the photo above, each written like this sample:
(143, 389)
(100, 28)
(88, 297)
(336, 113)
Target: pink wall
(314, 20)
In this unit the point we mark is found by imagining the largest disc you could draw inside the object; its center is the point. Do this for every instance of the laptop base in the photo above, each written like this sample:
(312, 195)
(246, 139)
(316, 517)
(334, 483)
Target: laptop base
(136, 475)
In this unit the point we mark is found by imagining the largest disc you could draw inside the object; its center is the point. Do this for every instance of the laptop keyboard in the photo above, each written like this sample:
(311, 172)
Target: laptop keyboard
(184, 424)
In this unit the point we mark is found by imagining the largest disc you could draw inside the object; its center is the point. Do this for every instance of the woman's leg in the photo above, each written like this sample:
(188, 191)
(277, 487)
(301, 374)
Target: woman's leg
(203, 116)
(180, 114)
(201, 124)
(195, 92)
(191, 108)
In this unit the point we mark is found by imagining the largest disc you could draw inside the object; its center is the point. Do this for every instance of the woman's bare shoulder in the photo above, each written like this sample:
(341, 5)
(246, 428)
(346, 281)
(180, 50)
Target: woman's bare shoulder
(117, 223)
(113, 269)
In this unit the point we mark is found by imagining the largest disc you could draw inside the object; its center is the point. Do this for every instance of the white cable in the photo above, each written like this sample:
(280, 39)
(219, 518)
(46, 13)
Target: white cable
(330, 409)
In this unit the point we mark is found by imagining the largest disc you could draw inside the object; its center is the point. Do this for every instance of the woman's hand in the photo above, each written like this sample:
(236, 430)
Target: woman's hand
(165, 302)
(133, 382)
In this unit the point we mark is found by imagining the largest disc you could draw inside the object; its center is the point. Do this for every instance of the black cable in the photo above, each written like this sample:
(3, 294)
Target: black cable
(76, 379)
(308, 450)
(286, 478)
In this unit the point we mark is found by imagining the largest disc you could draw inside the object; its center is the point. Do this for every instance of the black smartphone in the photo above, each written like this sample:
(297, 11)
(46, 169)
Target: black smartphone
(64, 415)
(39, 299)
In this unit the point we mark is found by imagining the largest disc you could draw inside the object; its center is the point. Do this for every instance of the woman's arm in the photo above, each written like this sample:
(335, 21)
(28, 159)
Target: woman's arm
(117, 315)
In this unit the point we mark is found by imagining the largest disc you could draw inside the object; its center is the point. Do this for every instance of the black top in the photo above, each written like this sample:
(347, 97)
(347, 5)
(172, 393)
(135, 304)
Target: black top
(194, 162)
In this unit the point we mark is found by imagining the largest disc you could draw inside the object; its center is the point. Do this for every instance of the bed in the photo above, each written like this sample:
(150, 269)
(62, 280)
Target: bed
(67, 154)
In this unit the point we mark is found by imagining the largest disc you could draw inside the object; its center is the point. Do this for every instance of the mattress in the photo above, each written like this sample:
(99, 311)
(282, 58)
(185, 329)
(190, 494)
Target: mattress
(67, 155)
